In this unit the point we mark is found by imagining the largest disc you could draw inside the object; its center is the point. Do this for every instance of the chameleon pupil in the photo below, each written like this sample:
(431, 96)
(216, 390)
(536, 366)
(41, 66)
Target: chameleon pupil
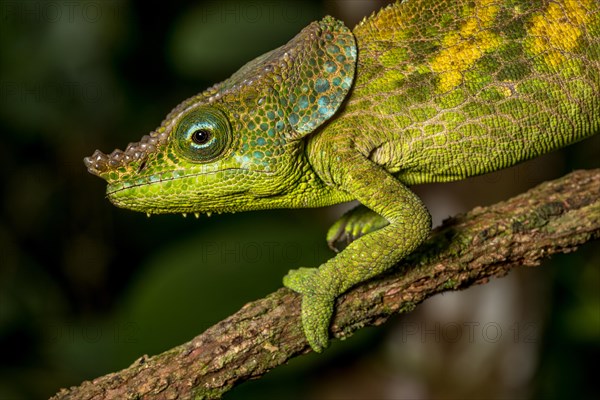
(200, 136)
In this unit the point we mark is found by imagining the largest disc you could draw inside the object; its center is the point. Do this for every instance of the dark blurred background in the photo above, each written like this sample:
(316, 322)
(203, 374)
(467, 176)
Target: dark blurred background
(86, 288)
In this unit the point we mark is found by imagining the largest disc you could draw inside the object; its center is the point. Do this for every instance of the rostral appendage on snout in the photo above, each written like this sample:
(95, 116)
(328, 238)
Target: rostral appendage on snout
(100, 163)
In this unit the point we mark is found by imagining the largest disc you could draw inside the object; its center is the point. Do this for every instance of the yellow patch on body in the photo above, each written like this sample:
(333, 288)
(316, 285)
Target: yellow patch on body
(558, 29)
(460, 50)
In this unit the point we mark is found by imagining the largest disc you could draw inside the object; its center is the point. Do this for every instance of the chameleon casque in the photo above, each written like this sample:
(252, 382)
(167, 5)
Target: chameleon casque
(422, 91)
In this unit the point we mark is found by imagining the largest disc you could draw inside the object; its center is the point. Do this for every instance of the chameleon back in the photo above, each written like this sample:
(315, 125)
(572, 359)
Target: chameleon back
(446, 90)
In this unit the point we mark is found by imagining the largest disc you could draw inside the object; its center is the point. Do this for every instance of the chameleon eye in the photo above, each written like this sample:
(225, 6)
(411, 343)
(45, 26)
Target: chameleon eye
(203, 134)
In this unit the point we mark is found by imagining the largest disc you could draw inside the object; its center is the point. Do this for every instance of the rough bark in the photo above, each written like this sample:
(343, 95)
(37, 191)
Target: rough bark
(554, 217)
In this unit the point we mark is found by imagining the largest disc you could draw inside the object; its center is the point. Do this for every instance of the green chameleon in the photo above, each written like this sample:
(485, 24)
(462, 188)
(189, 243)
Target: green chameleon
(422, 91)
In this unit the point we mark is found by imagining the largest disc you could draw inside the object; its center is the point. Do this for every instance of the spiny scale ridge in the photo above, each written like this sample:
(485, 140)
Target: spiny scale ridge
(100, 162)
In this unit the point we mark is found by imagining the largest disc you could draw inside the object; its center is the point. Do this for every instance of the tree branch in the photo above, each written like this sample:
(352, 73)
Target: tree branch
(554, 217)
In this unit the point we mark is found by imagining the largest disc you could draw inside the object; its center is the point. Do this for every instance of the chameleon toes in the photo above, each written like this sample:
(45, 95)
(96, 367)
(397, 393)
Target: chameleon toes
(316, 315)
(301, 280)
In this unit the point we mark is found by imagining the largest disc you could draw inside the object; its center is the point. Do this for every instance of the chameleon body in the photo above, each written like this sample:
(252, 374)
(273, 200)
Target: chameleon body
(422, 91)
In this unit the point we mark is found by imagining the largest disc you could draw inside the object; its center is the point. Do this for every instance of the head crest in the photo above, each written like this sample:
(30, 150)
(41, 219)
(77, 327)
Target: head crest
(312, 74)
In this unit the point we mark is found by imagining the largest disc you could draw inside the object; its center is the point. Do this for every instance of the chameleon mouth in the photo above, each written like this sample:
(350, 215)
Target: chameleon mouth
(172, 177)
(147, 194)
(100, 163)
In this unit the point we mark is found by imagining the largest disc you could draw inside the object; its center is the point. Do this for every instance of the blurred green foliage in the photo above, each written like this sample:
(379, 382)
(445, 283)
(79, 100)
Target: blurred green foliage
(86, 288)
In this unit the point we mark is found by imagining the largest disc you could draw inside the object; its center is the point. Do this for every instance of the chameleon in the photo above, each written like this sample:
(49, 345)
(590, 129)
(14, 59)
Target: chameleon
(420, 91)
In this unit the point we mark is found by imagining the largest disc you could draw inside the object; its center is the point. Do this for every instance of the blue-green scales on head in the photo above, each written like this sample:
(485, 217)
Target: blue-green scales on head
(236, 142)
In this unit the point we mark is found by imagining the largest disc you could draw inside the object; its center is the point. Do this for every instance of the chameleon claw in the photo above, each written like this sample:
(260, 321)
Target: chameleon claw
(316, 317)
(317, 306)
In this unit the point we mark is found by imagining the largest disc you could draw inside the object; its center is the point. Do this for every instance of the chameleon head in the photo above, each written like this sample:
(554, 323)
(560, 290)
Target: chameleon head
(238, 145)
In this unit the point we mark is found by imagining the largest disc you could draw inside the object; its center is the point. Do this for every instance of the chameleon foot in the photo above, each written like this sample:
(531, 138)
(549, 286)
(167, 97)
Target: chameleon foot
(317, 307)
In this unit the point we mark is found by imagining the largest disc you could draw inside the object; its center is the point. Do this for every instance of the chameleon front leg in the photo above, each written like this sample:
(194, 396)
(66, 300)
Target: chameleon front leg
(370, 255)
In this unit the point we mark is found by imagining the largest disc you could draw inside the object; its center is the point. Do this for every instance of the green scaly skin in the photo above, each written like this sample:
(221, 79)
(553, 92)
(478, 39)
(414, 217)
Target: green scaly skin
(422, 91)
